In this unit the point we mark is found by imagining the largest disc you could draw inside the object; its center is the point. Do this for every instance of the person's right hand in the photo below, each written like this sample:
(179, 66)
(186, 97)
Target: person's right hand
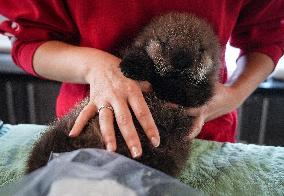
(115, 94)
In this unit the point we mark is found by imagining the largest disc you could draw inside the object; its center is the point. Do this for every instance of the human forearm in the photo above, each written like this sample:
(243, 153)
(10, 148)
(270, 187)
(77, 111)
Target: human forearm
(67, 63)
(251, 70)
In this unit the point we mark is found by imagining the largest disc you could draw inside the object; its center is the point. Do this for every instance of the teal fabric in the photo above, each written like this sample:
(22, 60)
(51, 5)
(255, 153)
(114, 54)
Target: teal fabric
(215, 168)
(235, 169)
(15, 145)
(4, 128)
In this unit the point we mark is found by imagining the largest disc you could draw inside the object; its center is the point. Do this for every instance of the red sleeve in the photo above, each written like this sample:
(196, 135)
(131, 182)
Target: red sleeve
(31, 23)
(260, 28)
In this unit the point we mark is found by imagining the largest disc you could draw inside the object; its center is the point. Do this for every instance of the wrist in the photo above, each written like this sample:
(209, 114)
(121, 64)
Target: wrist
(96, 62)
(225, 100)
(235, 94)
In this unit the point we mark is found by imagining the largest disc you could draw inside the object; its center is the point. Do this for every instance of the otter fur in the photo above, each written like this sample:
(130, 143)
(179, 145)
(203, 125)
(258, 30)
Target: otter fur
(178, 54)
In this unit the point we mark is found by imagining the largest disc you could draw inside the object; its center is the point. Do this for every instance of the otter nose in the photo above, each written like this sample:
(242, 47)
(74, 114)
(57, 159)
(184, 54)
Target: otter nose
(181, 60)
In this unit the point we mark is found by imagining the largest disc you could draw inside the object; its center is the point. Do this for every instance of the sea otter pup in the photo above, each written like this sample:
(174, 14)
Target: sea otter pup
(178, 54)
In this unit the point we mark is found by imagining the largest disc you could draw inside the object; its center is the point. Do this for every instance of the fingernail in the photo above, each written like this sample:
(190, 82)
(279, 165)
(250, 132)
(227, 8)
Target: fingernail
(110, 147)
(135, 152)
(189, 136)
(155, 141)
(71, 134)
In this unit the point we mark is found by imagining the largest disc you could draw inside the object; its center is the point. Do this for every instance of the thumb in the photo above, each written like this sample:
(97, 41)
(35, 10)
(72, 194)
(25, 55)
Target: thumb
(196, 127)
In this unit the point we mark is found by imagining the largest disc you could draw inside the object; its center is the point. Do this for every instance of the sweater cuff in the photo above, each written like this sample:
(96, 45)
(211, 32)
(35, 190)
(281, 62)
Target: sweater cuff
(22, 55)
(274, 52)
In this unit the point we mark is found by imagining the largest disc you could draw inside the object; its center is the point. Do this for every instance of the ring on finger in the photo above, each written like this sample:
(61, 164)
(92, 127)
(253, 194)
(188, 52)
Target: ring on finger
(105, 106)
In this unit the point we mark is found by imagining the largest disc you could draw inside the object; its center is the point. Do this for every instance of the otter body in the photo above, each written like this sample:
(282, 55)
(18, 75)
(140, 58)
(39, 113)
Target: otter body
(173, 129)
(179, 55)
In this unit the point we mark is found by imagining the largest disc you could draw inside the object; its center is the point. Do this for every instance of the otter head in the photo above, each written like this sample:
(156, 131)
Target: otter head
(179, 55)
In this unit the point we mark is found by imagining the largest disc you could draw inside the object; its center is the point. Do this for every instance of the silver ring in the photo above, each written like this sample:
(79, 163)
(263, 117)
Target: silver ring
(105, 106)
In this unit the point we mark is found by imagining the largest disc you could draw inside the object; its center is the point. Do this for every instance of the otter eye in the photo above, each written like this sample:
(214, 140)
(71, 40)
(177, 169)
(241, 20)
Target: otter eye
(181, 60)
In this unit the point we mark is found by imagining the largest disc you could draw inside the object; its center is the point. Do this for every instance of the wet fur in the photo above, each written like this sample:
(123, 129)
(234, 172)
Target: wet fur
(178, 54)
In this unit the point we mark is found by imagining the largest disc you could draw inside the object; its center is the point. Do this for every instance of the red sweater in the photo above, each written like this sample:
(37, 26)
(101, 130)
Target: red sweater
(253, 25)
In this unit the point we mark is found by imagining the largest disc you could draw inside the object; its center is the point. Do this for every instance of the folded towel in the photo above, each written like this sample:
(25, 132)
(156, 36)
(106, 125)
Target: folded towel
(235, 169)
(213, 167)
(15, 145)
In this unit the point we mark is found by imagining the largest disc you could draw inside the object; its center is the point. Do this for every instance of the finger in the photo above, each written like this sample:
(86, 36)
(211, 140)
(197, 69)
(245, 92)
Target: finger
(85, 115)
(107, 128)
(145, 86)
(196, 127)
(125, 123)
(144, 116)
(194, 111)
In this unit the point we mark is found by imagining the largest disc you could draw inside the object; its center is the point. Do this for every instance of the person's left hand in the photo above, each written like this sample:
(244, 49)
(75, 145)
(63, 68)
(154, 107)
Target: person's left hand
(224, 101)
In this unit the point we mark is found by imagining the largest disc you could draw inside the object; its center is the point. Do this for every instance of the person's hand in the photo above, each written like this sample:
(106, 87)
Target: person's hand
(223, 101)
(112, 95)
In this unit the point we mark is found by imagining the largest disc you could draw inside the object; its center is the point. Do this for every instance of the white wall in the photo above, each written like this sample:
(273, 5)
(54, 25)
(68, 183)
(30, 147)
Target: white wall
(232, 54)
(5, 44)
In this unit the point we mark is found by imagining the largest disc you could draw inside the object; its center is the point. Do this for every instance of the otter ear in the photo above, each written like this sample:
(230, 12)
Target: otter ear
(136, 64)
